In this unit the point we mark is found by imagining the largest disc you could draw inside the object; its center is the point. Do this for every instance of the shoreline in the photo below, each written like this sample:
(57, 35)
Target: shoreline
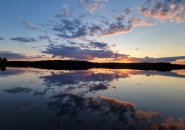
(84, 65)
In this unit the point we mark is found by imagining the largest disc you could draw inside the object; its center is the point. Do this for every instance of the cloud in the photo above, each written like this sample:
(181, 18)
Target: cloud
(95, 30)
(83, 52)
(99, 45)
(64, 13)
(12, 55)
(140, 22)
(124, 24)
(29, 24)
(116, 28)
(171, 10)
(71, 29)
(120, 24)
(2, 38)
(47, 38)
(93, 5)
(164, 10)
(162, 59)
(23, 39)
(126, 12)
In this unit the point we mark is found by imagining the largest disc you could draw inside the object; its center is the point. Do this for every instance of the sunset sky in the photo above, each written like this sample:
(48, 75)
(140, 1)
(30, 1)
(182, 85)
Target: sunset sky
(93, 30)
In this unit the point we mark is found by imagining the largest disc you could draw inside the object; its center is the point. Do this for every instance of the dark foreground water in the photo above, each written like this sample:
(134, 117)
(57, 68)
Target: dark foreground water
(97, 99)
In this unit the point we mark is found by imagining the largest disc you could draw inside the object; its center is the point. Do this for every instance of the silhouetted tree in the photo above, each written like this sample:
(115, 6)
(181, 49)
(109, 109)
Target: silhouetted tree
(4, 60)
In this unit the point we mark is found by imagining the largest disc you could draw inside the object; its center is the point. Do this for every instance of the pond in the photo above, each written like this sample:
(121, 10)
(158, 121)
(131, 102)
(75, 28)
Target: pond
(95, 99)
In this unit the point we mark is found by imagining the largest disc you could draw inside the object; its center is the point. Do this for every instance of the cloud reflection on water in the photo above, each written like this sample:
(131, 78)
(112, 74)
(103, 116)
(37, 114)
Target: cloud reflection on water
(67, 99)
(96, 79)
(107, 113)
(17, 90)
(11, 72)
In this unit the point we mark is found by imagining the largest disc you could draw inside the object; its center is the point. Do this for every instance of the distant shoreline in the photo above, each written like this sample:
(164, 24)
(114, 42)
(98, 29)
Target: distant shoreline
(84, 65)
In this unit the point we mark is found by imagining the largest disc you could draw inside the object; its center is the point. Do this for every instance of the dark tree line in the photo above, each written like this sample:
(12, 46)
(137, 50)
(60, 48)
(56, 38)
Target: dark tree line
(84, 65)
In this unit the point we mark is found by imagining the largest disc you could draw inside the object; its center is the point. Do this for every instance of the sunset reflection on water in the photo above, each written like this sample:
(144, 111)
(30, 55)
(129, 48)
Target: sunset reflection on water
(91, 99)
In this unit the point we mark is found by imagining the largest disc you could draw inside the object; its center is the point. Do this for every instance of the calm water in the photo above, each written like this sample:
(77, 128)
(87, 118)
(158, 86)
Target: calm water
(97, 99)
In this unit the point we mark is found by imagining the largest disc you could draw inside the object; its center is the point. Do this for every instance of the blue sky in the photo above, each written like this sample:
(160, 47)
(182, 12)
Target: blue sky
(94, 30)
